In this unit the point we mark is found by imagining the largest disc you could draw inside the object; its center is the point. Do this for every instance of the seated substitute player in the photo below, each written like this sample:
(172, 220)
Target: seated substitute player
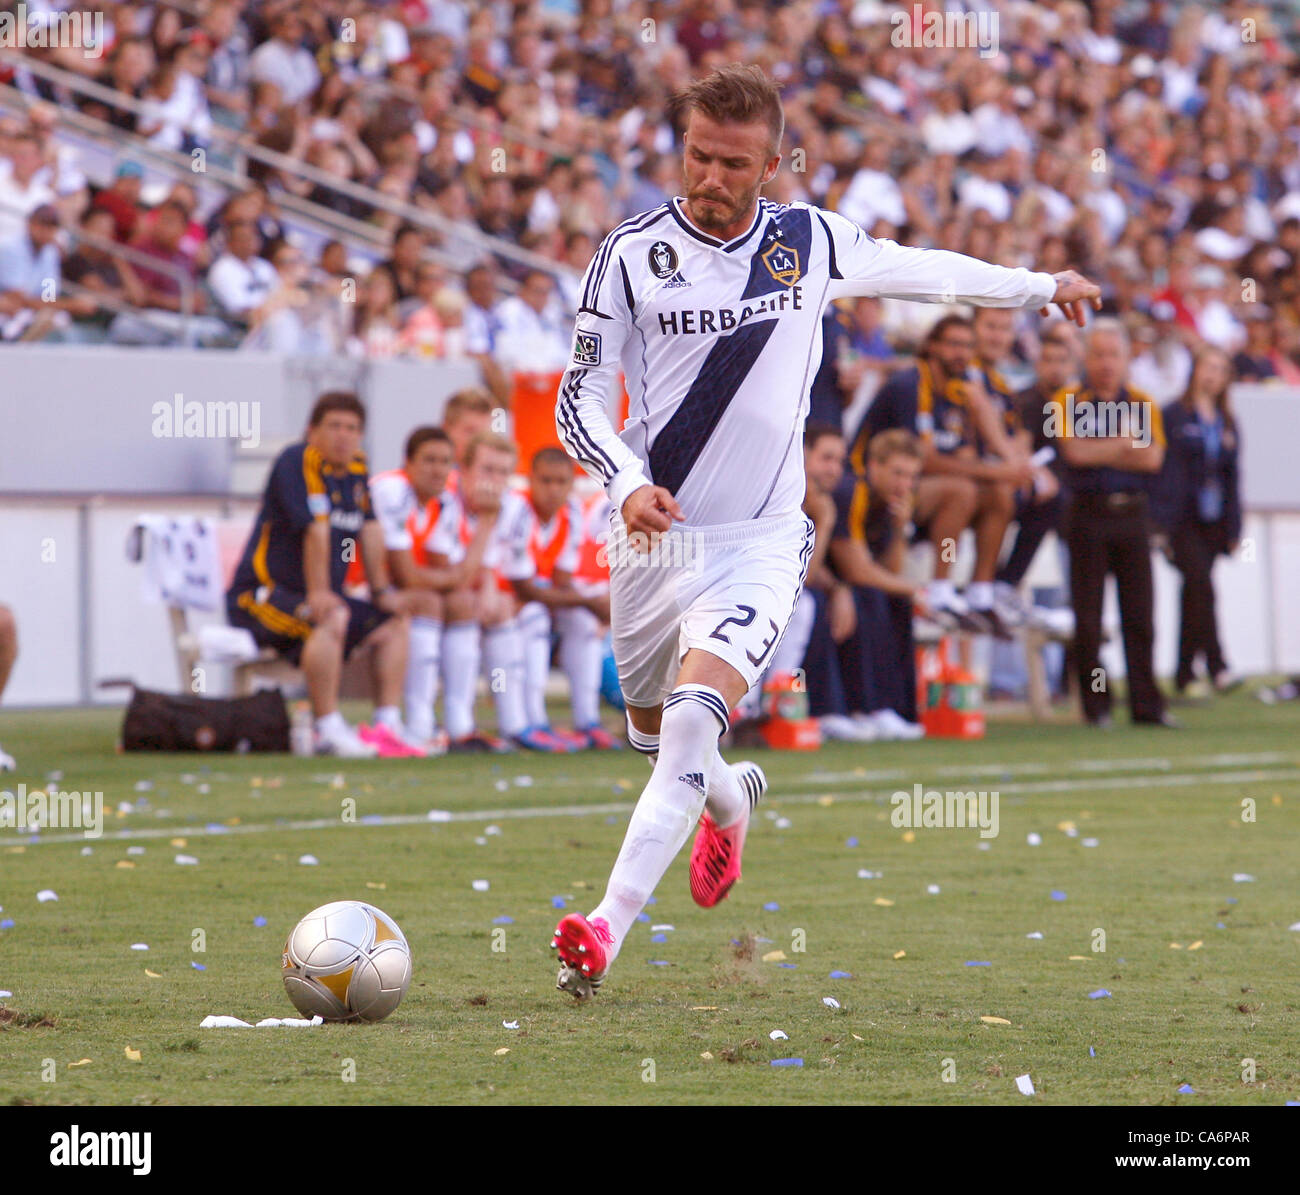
(550, 598)
(936, 401)
(711, 305)
(409, 503)
(468, 413)
(873, 515)
(287, 590)
(486, 633)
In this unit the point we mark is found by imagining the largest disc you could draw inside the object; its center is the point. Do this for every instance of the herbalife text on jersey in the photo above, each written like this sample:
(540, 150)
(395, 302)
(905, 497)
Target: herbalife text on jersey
(723, 319)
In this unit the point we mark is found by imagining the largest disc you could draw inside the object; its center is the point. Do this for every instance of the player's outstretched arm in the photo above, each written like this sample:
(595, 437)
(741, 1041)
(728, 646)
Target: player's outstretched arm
(1074, 294)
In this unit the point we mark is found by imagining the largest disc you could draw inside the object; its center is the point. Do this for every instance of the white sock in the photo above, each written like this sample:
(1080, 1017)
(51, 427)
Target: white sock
(980, 595)
(941, 591)
(727, 802)
(535, 627)
(422, 677)
(331, 724)
(503, 658)
(460, 662)
(694, 716)
(647, 744)
(390, 716)
(582, 656)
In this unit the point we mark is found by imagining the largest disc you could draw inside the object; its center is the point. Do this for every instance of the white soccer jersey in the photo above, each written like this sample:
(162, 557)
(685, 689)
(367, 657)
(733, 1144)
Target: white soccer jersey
(719, 343)
(554, 546)
(394, 500)
(507, 551)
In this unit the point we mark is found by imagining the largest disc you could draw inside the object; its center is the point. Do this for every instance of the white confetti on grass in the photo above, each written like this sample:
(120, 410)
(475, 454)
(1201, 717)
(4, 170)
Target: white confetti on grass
(1025, 1085)
(509, 1024)
(830, 1002)
(779, 1035)
(1242, 877)
(187, 860)
(47, 894)
(308, 860)
(480, 885)
(139, 945)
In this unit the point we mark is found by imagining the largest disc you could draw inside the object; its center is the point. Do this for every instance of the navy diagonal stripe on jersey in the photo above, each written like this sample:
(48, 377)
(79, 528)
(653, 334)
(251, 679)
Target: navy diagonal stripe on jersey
(678, 445)
(794, 230)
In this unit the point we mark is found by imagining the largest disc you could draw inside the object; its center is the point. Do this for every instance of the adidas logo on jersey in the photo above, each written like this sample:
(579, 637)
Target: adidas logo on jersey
(676, 282)
(695, 780)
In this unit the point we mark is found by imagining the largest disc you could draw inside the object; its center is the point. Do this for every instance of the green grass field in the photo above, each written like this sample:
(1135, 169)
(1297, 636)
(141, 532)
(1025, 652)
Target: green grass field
(1166, 811)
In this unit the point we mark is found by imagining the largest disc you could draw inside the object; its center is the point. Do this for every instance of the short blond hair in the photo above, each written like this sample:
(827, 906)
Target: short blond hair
(490, 440)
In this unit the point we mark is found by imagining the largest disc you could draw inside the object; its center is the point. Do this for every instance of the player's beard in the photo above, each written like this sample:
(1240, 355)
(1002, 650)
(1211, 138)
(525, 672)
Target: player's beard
(725, 213)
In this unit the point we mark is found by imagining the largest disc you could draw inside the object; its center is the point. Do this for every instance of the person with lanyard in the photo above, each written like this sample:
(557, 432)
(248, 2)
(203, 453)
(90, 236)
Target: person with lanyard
(1201, 509)
(1111, 440)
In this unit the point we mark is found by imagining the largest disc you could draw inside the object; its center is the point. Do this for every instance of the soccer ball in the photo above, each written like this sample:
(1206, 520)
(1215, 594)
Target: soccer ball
(346, 961)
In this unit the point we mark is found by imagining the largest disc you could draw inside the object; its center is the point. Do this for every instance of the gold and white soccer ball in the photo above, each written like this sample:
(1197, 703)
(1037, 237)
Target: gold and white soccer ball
(346, 961)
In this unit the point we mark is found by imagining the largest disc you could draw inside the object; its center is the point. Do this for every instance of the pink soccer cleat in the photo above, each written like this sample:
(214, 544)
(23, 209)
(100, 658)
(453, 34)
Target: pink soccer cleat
(388, 743)
(584, 948)
(715, 857)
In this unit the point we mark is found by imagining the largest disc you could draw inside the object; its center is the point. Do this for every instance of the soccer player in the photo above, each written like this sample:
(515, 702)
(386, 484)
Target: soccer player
(551, 598)
(8, 653)
(409, 503)
(487, 632)
(468, 413)
(711, 305)
(287, 589)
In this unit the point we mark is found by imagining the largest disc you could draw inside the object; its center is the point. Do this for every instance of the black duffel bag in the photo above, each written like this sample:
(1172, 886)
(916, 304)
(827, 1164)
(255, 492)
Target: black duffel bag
(167, 722)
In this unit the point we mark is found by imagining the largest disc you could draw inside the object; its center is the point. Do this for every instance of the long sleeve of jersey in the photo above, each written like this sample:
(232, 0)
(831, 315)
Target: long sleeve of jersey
(581, 412)
(863, 265)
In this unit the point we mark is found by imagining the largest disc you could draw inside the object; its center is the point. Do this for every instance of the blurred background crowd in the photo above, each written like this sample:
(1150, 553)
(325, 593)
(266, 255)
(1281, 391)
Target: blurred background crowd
(430, 178)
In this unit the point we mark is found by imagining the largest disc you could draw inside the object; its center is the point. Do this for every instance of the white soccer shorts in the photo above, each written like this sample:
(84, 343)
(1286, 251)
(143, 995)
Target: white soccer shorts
(729, 590)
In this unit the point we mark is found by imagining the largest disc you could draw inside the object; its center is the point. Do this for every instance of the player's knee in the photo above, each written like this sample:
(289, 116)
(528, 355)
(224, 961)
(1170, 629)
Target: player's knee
(458, 606)
(999, 498)
(427, 604)
(960, 494)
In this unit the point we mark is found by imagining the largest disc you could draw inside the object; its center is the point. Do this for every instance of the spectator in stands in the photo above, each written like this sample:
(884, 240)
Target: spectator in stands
(483, 328)
(958, 489)
(333, 260)
(122, 199)
(240, 280)
(874, 511)
(422, 327)
(535, 337)
(1201, 509)
(29, 279)
(175, 114)
(24, 184)
(166, 288)
(130, 65)
(284, 61)
(1163, 365)
(227, 78)
(408, 249)
(1110, 467)
(111, 279)
(8, 654)
(1254, 362)
(287, 590)
(375, 330)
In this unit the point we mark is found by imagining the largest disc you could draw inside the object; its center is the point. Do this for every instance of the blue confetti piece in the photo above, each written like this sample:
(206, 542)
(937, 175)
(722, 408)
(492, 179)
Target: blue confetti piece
(1057, 894)
(259, 922)
(788, 966)
(764, 941)
(7, 923)
(659, 962)
(1232, 900)
(198, 966)
(646, 917)
(787, 1062)
(841, 974)
(1091, 1052)
(1187, 1089)
(1099, 994)
(974, 963)
(503, 920)
(850, 842)
(652, 901)
(1292, 1104)
(772, 907)
(659, 937)
(611, 819)
(558, 902)
(372, 819)
(1219, 925)
(734, 941)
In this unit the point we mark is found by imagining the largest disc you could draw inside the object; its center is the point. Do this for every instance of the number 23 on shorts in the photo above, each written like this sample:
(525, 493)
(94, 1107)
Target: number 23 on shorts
(745, 619)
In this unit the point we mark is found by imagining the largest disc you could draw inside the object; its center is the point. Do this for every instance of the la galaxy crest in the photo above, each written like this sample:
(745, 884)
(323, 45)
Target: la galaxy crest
(782, 263)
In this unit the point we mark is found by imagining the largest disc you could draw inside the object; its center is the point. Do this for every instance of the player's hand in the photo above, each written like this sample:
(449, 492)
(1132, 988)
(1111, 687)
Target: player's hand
(320, 604)
(1074, 293)
(650, 510)
(901, 509)
(842, 612)
(395, 601)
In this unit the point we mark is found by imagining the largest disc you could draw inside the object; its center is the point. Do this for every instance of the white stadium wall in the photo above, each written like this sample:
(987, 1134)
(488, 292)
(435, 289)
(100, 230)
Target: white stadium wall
(79, 463)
